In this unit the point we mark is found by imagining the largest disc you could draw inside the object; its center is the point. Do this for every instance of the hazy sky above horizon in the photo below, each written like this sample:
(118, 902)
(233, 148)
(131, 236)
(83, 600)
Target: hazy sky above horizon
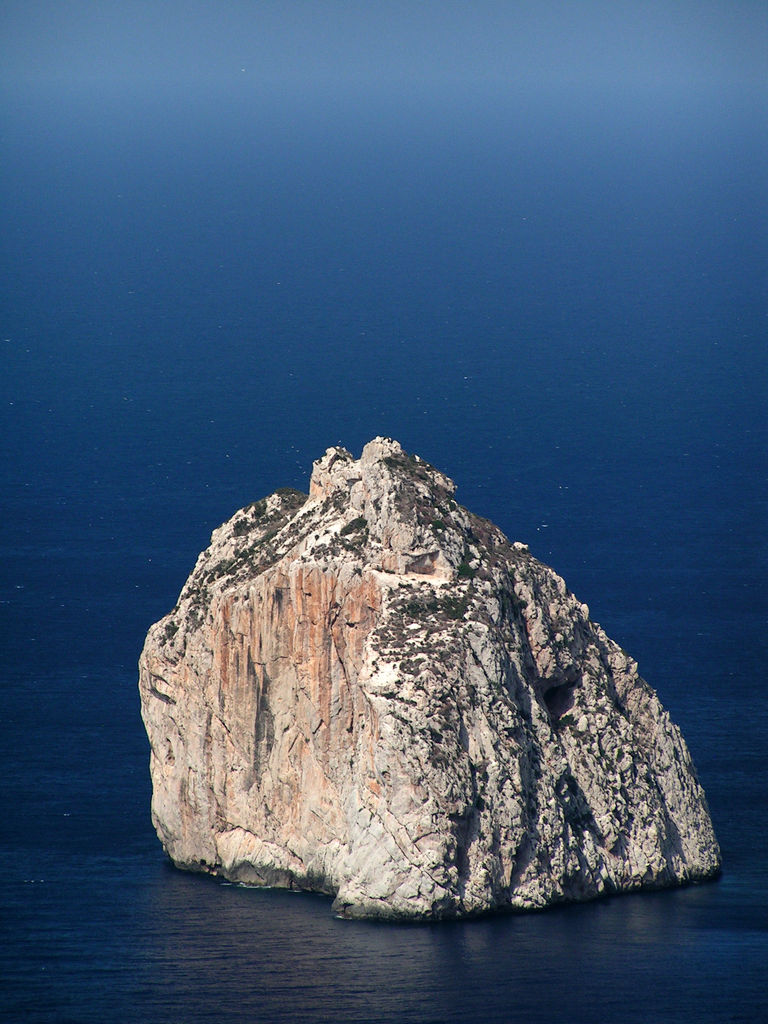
(391, 45)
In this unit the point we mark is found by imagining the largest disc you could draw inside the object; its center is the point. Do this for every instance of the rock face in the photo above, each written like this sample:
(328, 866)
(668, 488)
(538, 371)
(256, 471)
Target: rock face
(372, 693)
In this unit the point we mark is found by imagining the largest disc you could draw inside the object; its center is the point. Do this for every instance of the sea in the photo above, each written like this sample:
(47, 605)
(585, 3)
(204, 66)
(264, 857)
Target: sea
(556, 297)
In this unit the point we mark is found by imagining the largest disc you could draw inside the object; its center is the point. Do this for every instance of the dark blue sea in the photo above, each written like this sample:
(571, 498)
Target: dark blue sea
(559, 297)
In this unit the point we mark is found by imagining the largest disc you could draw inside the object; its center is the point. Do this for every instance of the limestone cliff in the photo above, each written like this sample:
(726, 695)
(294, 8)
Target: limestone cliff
(372, 693)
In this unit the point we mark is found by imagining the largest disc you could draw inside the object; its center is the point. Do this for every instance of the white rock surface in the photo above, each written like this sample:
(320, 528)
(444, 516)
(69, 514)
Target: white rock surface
(372, 693)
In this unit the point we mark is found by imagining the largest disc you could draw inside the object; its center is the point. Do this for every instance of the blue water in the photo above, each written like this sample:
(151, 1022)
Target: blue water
(560, 300)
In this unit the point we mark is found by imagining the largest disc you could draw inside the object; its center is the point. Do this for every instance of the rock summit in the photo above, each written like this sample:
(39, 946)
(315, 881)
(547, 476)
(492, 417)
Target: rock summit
(370, 692)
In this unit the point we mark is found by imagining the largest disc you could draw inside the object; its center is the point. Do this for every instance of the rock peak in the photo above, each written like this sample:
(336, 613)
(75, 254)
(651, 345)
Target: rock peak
(328, 472)
(371, 692)
(338, 468)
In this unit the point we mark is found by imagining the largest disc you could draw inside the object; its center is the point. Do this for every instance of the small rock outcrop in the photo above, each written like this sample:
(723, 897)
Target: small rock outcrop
(370, 692)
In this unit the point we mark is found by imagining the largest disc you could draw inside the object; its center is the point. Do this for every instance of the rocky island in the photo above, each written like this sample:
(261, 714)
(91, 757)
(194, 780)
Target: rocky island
(370, 692)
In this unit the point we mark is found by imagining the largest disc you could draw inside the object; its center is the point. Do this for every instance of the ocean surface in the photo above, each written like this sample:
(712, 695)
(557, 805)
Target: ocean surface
(560, 300)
